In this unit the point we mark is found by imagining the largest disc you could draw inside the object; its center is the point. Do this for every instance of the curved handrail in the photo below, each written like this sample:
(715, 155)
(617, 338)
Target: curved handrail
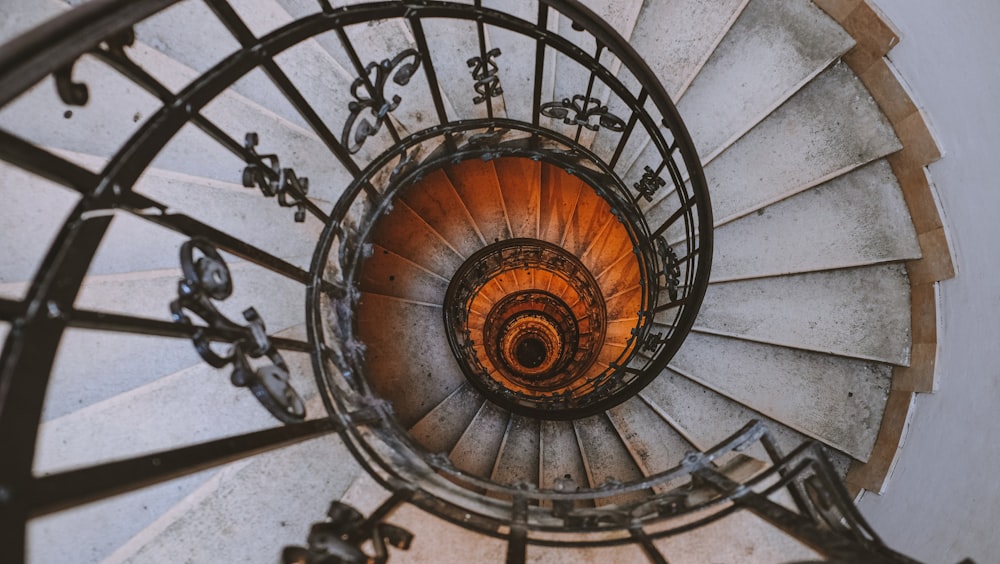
(103, 27)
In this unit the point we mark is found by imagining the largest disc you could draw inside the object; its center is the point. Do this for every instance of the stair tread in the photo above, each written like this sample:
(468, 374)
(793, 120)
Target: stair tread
(200, 528)
(774, 48)
(161, 415)
(435, 200)
(677, 37)
(605, 456)
(477, 449)
(520, 180)
(827, 128)
(857, 312)
(109, 119)
(653, 443)
(857, 219)
(389, 274)
(477, 185)
(440, 429)
(559, 453)
(837, 400)
(519, 456)
(409, 362)
(405, 233)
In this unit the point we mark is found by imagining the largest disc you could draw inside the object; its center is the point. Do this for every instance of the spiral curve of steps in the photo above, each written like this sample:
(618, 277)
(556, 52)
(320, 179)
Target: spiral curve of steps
(807, 312)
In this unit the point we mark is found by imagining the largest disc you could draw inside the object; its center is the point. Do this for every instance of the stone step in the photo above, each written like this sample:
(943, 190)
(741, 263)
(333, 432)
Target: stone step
(277, 496)
(675, 39)
(857, 219)
(858, 312)
(705, 417)
(93, 532)
(479, 189)
(409, 362)
(405, 233)
(518, 461)
(166, 413)
(605, 456)
(128, 361)
(773, 49)
(477, 450)
(836, 400)
(375, 42)
(440, 429)
(117, 108)
(560, 455)
(653, 443)
(520, 180)
(389, 274)
(436, 202)
(828, 128)
(133, 244)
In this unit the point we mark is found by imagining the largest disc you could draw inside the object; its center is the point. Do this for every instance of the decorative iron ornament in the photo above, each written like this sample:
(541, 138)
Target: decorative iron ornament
(401, 68)
(77, 93)
(671, 267)
(649, 184)
(274, 180)
(205, 279)
(340, 537)
(484, 70)
(582, 112)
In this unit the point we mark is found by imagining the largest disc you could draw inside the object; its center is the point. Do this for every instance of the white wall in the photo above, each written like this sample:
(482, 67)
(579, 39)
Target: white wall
(943, 501)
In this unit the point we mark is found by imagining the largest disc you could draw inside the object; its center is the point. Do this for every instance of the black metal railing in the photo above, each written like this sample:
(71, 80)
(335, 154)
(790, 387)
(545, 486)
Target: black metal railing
(606, 120)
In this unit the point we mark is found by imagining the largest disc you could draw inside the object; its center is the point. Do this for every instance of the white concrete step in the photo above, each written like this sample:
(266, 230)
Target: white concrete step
(518, 461)
(405, 233)
(653, 443)
(774, 48)
(706, 418)
(605, 456)
(836, 400)
(127, 361)
(857, 219)
(477, 450)
(409, 361)
(859, 312)
(440, 429)
(92, 532)
(377, 41)
(676, 38)
(520, 181)
(560, 454)
(389, 274)
(437, 203)
(166, 413)
(479, 189)
(35, 201)
(828, 128)
(117, 108)
(740, 537)
(251, 509)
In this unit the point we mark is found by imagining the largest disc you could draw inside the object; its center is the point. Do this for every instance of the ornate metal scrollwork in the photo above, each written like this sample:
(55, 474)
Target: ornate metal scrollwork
(649, 184)
(76, 93)
(274, 180)
(583, 109)
(402, 68)
(671, 267)
(207, 278)
(484, 70)
(339, 539)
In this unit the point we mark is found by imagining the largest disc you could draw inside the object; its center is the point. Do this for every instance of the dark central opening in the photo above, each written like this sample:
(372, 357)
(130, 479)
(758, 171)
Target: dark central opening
(530, 352)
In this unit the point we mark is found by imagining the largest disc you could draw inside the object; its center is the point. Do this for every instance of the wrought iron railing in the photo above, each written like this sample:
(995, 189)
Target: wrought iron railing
(606, 119)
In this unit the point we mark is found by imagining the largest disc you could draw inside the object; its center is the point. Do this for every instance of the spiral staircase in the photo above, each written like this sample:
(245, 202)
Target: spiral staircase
(502, 285)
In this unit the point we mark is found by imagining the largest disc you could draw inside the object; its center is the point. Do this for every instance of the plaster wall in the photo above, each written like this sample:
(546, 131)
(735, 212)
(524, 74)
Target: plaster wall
(943, 501)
